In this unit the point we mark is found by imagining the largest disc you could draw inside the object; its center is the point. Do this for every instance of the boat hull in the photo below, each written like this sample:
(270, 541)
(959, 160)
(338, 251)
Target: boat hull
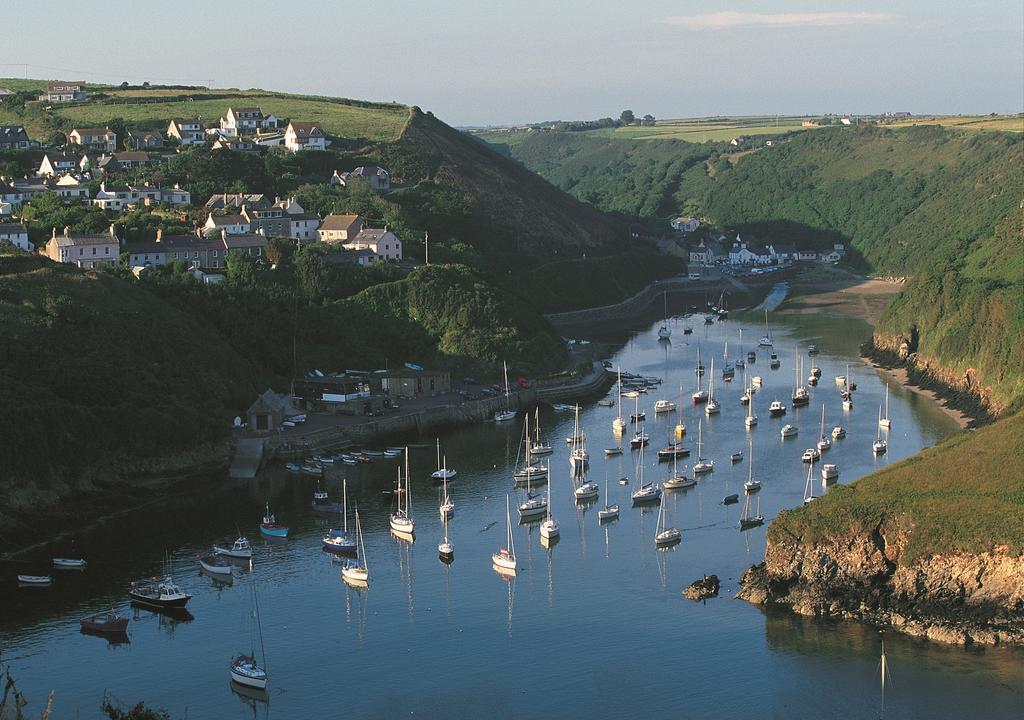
(104, 623)
(274, 531)
(175, 603)
(260, 683)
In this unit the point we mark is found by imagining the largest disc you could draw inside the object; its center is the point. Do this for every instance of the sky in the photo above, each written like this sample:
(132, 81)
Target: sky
(494, 63)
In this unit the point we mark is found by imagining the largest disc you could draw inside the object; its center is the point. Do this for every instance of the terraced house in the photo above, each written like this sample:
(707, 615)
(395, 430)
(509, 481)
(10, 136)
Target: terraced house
(85, 251)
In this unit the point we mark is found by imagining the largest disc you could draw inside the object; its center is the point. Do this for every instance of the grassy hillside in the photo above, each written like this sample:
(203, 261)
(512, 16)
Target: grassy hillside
(966, 494)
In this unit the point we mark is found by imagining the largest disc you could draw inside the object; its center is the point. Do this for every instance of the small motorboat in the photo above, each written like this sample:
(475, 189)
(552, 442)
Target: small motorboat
(838, 432)
(812, 380)
(240, 549)
(773, 362)
(269, 525)
(35, 580)
(613, 451)
(756, 381)
(640, 439)
(812, 349)
(751, 357)
(810, 455)
(293, 468)
(736, 457)
(687, 330)
(663, 406)
(69, 563)
(776, 409)
(788, 431)
(829, 471)
(624, 481)
(164, 594)
(104, 622)
(215, 564)
(638, 417)
(731, 499)
(878, 447)
(815, 372)
(606, 403)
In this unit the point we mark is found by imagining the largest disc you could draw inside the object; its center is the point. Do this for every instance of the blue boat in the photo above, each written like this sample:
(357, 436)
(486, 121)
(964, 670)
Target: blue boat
(293, 467)
(270, 526)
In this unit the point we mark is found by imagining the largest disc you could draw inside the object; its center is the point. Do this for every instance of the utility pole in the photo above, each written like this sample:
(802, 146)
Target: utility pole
(426, 248)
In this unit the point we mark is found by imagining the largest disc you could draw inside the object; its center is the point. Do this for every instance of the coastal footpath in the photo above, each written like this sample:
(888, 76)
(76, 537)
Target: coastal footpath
(932, 546)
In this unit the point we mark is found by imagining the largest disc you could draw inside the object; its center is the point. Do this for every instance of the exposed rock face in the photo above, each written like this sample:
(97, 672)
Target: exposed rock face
(706, 587)
(958, 598)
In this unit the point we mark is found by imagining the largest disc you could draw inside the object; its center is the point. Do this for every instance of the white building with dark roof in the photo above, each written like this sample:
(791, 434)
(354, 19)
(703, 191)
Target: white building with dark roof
(305, 136)
(16, 234)
(383, 243)
(85, 251)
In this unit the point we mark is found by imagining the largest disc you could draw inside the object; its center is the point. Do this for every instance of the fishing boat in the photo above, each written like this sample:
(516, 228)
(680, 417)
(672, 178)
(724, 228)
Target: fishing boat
(773, 361)
(766, 339)
(356, 571)
(884, 422)
(665, 536)
(38, 580)
(269, 525)
(162, 594)
(663, 406)
(838, 432)
(69, 564)
(107, 621)
(880, 445)
(338, 541)
(829, 472)
(508, 413)
(443, 473)
(824, 441)
(703, 465)
(808, 489)
(609, 511)
(647, 492)
(776, 409)
(619, 424)
(747, 520)
(504, 561)
(246, 669)
(215, 564)
(539, 447)
(401, 521)
(664, 332)
(241, 549)
(322, 503)
(712, 407)
(788, 431)
(549, 527)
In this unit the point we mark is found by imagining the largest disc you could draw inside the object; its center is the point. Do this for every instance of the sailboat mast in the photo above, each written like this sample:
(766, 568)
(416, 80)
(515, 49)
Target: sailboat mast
(344, 504)
(259, 625)
(408, 484)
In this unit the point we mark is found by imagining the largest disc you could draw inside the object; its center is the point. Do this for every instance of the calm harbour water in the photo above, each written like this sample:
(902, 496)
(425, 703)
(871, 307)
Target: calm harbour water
(594, 627)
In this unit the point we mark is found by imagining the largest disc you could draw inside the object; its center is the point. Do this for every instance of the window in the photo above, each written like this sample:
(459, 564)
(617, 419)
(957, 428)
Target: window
(215, 253)
(195, 254)
(107, 251)
(93, 249)
(81, 251)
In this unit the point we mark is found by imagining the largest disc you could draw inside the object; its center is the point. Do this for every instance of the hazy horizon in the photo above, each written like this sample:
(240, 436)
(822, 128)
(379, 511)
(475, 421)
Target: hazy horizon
(478, 66)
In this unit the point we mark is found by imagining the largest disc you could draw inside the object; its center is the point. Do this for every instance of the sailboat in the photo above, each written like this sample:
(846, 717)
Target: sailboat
(401, 521)
(728, 370)
(549, 527)
(356, 572)
(447, 506)
(703, 465)
(884, 421)
(884, 663)
(664, 332)
(824, 441)
(677, 481)
(533, 505)
(680, 426)
(751, 486)
(713, 405)
(880, 445)
(245, 669)
(751, 419)
(618, 424)
(339, 541)
(800, 395)
(504, 560)
(740, 362)
(508, 413)
(578, 457)
(648, 492)
(443, 473)
(528, 471)
(747, 520)
(539, 447)
(640, 437)
(445, 548)
(808, 492)
(699, 395)
(665, 536)
(766, 340)
(608, 512)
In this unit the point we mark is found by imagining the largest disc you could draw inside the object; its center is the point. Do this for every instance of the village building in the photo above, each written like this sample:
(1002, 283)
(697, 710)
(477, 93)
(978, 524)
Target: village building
(234, 201)
(16, 234)
(408, 383)
(305, 136)
(60, 91)
(70, 187)
(376, 177)
(685, 224)
(5, 208)
(708, 254)
(14, 137)
(145, 139)
(268, 412)
(349, 393)
(234, 145)
(246, 121)
(230, 224)
(383, 243)
(285, 218)
(114, 197)
(54, 165)
(104, 138)
(187, 132)
(339, 228)
(85, 251)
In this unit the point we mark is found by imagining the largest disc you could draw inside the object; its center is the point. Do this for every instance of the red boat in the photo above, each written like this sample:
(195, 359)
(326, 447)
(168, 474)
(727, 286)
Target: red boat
(107, 622)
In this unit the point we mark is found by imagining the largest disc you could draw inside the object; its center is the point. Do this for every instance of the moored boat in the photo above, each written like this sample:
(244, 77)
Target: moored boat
(240, 548)
(163, 594)
(69, 563)
(104, 622)
(39, 580)
(270, 526)
(215, 564)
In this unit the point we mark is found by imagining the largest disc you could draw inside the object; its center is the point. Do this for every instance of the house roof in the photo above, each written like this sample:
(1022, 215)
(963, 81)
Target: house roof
(339, 222)
(232, 242)
(63, 85)
(74, 239)
(187, 121)
(271, 402)
(219, 220)
(371, 235)
(13, 133)
(92, 131)
(368, 171)
(305, 130)
(12, 228)
(60, 159)
(132, 156)
(247, 110)
(252, 200)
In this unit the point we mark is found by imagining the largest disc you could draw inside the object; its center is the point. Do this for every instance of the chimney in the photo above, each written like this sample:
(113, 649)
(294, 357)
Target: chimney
(199, 231)
(223, 235)
(159, 234)
(54, 235)
(67, 230)
(112, 231)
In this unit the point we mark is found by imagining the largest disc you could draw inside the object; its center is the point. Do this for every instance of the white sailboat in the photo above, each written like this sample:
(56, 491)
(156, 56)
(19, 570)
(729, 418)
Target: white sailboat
(447, 506)
(766, 340)
(824, 441)
(246, 669)
(401, 520)
(713, 406)
(648, 492)
(884, 422)
(578, 456)
(751, 486)
(445, 548)
(549, 527)
(880, 445)
(504, 560)
(619, 424)
(442, 473)
(681, 425)
(740, 362)
(528, 471)
(339, 541)
(356, 572)
(751, 419)
(664, 332)
(808, 491)
(608, 512)
(677, 481)
(539, 447)
(663, 535)
(508, 413)
(703, 465)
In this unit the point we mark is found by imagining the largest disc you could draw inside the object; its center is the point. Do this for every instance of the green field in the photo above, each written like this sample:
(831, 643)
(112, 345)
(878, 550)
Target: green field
(1004, 123)
(711, 130)
(964, 495)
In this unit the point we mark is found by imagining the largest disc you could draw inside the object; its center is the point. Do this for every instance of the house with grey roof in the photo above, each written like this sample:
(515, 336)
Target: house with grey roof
(83, 250)
(376, 177)
(187, 131)
(14, 137)
(246, 121)
(145, 139)
(382, 242)
(16, 234)
(61, 91)
(305, 136)
(104, 138)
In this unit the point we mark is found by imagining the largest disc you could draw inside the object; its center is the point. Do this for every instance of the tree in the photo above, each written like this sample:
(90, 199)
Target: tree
(648, 120)
(313, 273)
(279, 250)
(241, 267)
(627, 117)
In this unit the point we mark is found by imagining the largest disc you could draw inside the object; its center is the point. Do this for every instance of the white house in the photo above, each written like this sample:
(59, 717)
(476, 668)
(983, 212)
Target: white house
(744, 252)
(837, 253)
(304, 136)
(246, 121)
(114, 197)
(85, 251)
(100, 137)
(54, 165)
(376, 177)
(187, 132)
(230, 224)
(685, 224)
(382, 242)
(807, 255)
(16, 234)
(5, 208)
(70, 187)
